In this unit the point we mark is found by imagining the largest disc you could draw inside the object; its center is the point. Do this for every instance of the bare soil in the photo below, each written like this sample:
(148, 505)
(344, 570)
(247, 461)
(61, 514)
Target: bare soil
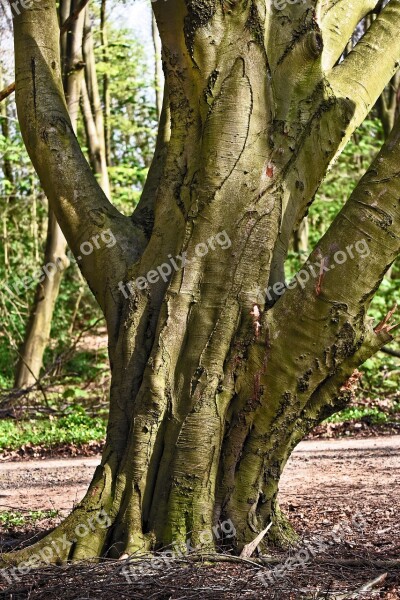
(341, 494)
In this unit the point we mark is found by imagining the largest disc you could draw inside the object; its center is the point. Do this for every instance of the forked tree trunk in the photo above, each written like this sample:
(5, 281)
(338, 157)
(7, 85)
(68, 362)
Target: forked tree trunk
(212, 386)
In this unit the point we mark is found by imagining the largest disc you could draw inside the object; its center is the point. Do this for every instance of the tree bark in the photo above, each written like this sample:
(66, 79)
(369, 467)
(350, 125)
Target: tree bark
(212, 386)
(158, 72)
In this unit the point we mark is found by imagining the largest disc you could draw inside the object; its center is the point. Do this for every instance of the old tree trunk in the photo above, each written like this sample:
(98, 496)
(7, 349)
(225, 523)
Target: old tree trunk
(214, 384)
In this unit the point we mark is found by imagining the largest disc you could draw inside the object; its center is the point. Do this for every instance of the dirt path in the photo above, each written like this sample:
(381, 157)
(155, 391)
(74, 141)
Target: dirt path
(329, 476)
(325, 485)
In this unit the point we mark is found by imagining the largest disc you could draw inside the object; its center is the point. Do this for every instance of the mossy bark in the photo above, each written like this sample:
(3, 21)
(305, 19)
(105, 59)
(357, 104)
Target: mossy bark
(213, 386)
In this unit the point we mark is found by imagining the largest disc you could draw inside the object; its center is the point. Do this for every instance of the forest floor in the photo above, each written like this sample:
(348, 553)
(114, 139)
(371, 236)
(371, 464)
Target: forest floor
(342, 497)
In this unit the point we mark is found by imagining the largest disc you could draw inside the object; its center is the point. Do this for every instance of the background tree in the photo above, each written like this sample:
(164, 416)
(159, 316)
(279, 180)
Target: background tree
(211, 387)
(41, 309)
(40, 319)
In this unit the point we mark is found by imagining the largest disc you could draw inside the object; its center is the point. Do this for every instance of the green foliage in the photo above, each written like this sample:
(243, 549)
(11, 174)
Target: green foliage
(9, 519)
(373, 415)
(76, 427)
(344, 176)
(133, 119)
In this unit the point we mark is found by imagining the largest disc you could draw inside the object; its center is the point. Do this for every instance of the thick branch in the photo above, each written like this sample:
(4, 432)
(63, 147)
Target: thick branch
(361, 77)
(344, 99)
(338, 20)
(321, 318)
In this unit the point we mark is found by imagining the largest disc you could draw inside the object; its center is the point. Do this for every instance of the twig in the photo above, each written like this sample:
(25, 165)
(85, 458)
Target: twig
(385, 325)
(64, 356)
(391, 352)
(7, 91)
(364, 588)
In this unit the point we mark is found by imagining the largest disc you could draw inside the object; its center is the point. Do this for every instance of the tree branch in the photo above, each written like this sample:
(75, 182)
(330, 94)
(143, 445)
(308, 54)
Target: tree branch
(361, 77)
(7, 91)
(73, 17)
(339, 19)
(337, 106)
(390, 352)
(367, 226)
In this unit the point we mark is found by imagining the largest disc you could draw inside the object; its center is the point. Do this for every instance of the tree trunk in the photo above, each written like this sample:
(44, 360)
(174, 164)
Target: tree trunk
(300, 237)
(388, 105)
(92, 112)
(9, 195)
(5, 132)
(212, 385)
(106, 83)
(37, 333)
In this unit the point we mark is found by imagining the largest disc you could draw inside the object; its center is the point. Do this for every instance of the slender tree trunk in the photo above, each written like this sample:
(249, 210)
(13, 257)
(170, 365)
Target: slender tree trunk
(106, 82)
(92, 112)
(97, 156)
(388, 105)
(39, 325)
(5, 130)
(9, 196)
(300, 237)
(212, 388)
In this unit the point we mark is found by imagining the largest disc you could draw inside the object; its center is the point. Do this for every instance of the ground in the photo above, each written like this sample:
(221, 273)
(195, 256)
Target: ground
(342, 494)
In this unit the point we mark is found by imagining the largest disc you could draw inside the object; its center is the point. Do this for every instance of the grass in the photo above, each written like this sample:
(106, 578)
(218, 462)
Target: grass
(374, 415)
(75, 428)
(17, 519)
(79, 428)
